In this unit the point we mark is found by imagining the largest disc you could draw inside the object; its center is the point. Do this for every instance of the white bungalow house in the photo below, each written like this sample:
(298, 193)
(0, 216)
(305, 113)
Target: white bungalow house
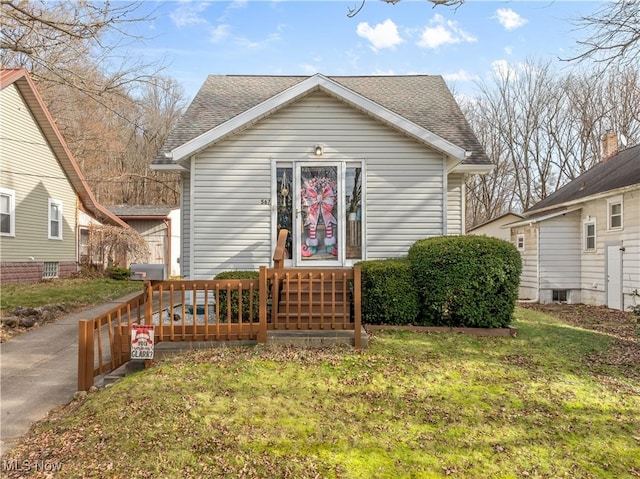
(582, 243)
(46, 205)
(354, 167)
(495, 226)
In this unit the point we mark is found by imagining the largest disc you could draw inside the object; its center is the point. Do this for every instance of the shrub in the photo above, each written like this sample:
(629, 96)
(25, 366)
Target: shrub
(246, 315)
(466, 280)
(388, 293)
(118, 273)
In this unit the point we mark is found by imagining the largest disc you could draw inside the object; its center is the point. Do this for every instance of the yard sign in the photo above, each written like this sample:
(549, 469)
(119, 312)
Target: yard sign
(141, 341)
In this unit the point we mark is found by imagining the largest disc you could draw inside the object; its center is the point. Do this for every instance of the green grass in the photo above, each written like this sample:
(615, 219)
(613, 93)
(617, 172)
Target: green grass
(70, 293)
(412, 405)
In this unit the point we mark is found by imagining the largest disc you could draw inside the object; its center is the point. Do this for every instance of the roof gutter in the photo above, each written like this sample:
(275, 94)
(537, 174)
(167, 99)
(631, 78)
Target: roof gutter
(584, 199)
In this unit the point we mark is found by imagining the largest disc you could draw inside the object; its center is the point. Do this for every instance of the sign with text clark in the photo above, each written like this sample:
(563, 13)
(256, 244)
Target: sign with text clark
(141, 341)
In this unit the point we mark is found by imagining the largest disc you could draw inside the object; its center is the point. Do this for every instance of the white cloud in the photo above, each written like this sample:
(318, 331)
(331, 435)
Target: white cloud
(219, 33)
(188, 14)
(442, 32)
(509, 19)
(502, 69)
(508, 50)
(259, 44)
(383, 35)
(460, 75)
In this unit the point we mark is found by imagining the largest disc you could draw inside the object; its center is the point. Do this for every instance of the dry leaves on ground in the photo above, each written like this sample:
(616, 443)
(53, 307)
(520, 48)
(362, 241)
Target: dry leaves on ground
(622, 326)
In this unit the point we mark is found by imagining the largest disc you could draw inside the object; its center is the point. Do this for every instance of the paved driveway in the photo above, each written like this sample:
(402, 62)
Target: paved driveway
(39, 371)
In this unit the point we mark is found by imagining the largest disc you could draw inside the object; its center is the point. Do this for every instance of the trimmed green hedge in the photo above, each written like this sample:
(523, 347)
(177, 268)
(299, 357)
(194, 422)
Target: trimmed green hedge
(234, 297)
(467, 281)
(388, 293)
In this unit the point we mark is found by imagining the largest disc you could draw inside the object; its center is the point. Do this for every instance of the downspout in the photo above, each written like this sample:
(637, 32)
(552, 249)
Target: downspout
(167, 222)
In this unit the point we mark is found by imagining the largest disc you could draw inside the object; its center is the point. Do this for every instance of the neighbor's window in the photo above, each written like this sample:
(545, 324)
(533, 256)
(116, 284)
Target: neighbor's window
(50, 270)
(590, 236)
(615, 213)
(559, 295)
(7, 212)
(520, 242)
(55, 219)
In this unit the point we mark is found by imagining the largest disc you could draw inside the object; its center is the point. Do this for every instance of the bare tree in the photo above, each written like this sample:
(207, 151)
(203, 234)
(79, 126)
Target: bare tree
(50, 39)
(113, 113)
(352, 12)
(542, 130)
(613, 34)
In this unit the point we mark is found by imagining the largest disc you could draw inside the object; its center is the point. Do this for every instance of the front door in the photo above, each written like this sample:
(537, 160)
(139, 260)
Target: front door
(320, 203)
(319, 215)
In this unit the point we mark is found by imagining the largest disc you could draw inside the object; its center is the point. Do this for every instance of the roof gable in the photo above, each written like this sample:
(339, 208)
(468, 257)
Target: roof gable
(420, 106)
(27, 89)
(622, 170)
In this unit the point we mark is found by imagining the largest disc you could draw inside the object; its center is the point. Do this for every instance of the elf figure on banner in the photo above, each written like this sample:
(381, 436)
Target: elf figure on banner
(319, 199)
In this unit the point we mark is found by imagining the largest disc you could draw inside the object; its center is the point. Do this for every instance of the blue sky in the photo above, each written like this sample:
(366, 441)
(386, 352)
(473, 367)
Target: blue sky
(281, 37)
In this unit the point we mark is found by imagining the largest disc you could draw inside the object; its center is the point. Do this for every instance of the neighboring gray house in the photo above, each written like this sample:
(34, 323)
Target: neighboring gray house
(582, 243)
(160, 227)
(46, 206)
(355, 167)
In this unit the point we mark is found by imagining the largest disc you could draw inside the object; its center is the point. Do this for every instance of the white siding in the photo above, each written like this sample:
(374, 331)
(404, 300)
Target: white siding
(455, 195)
(176, 248)
(529, 276)
(185, 229)
(31, 169)
(560, 249)
(593, 280)
(232, 228)
(495, 228)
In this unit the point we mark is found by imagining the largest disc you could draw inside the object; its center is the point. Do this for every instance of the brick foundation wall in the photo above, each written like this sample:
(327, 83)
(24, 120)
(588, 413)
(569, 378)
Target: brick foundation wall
(31, 272)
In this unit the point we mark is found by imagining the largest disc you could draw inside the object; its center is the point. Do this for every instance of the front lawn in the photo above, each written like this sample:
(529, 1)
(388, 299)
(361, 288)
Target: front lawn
(547, 403)
(69, 293)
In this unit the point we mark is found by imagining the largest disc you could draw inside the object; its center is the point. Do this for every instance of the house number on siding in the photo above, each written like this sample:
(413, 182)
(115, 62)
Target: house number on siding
(265, 202)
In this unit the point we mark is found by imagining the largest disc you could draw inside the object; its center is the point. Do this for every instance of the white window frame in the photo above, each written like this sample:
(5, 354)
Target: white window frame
(611, 202)
(58, 203)
(519, 239)
(50, 270)
(12, 211)
(586, 236)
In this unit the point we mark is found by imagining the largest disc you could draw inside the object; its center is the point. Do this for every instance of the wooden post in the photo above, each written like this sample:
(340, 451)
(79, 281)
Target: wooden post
(85, 354)
(148, 304)
(262, 326)
(357, 307)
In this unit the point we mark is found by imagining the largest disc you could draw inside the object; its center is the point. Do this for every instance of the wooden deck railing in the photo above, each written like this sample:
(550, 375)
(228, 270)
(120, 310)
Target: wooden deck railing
(104, 335)
(280, 253)
(223, 310)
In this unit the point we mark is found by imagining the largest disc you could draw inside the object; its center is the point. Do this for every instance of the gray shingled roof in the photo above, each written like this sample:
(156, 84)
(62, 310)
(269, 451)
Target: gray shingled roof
(620, 171)
(125, 211)
(423, 99)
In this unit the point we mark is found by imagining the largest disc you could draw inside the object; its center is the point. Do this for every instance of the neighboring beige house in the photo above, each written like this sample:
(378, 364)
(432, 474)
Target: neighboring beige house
(582, 243)
(354, 167)
(495, 227)
(160, 227)
(45, 202)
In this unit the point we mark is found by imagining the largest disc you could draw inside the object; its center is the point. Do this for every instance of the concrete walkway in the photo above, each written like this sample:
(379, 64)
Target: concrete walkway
(39, 371)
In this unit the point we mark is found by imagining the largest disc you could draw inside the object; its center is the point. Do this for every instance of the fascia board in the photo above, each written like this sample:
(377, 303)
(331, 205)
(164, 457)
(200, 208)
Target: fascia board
(539, 219)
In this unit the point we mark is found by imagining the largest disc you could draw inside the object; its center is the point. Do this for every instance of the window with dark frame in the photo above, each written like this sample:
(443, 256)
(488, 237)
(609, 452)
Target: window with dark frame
(560, 295)
(590, 236)
(615, 215)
